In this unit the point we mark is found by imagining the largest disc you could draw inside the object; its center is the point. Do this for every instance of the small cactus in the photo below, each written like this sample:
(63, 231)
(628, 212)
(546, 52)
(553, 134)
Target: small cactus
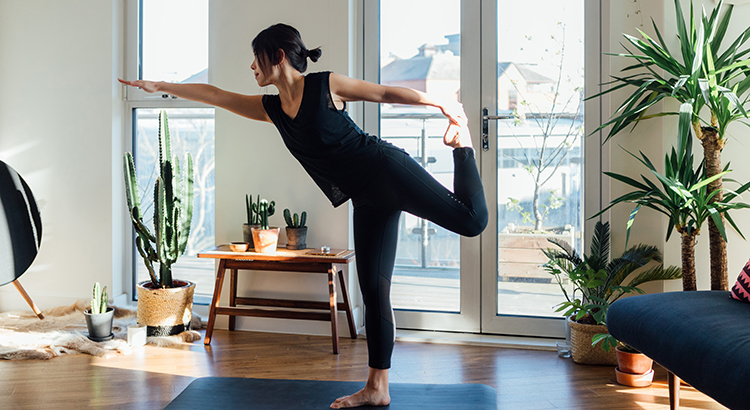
(99, 300)
(295, 221)
(264, 209)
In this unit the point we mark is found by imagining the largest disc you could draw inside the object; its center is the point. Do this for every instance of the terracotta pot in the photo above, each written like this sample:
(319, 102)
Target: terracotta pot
(296, 238)
(265, 239)
(634, 363)
(581, 349)
(165, 312)
(634, 380)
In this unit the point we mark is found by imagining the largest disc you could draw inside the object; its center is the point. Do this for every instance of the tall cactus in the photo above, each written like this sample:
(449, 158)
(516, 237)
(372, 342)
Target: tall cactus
(173, 209)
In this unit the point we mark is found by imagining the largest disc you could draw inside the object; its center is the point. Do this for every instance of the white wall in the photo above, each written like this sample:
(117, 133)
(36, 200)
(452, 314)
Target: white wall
(59, 126)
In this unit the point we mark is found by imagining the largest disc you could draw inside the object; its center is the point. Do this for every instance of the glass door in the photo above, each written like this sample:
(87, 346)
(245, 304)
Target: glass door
(533, 157)
(518, 66)
(419, 46)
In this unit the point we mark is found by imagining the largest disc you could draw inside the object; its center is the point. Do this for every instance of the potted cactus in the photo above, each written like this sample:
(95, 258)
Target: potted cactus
(164, 304)
(296, 230)
(253, 219)
(99, 317)
(265, 237)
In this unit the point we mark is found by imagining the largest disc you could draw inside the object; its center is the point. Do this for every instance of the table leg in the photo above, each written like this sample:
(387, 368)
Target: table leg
(232, 296)
(334, 309)
(349, 316)
(215, 302)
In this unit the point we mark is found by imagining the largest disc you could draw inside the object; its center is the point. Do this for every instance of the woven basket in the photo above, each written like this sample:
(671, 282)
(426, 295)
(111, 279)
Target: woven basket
(165, 312)
(582, 350)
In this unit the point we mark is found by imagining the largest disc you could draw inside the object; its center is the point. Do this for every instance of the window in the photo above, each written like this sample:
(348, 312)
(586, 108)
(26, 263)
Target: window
(168, 41)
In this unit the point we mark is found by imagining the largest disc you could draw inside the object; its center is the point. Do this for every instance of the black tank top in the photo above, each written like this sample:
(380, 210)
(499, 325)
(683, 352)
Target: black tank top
(335, 152)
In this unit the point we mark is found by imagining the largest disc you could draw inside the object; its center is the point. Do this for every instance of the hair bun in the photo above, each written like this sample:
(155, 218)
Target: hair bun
(314, 54)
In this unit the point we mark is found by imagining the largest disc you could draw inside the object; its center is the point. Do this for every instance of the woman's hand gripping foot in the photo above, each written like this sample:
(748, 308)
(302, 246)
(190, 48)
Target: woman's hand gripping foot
(457, 135)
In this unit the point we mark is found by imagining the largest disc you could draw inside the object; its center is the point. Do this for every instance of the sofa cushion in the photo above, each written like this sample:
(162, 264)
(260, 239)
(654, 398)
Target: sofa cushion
(741, 289)
(702, 337)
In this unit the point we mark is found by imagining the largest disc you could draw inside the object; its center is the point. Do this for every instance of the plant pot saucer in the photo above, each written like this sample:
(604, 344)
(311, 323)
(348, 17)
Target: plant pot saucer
(100, 339)
(634, 380)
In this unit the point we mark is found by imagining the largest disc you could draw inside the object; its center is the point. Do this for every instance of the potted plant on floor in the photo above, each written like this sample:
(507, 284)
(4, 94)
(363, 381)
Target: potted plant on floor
(265, 237)
(598, 282)
(99, 317)
(164, 304)
(634, 368)
(296, 230)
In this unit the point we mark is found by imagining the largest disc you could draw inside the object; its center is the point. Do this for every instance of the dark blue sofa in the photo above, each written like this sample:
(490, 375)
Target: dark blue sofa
(700, 337)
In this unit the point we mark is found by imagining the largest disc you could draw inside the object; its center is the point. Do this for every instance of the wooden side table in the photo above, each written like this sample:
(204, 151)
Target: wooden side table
(305, 261)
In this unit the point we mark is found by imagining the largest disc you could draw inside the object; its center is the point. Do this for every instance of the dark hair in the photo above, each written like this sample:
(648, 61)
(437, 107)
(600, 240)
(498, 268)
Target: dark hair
(267, 43)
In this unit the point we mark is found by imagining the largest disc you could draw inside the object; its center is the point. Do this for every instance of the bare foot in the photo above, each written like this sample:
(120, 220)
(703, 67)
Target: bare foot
(365, 397)
(457, 136)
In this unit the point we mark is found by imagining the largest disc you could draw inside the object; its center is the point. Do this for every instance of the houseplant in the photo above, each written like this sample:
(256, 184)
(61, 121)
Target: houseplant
(296, 230)
(265, 237)
(99, 317)
(704, 74)
(253, 219)
(682, 194)
(164, 304)
(597, 283)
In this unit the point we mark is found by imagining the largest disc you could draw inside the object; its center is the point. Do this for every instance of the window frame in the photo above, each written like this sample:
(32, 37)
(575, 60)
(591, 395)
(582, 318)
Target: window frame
(135, 99)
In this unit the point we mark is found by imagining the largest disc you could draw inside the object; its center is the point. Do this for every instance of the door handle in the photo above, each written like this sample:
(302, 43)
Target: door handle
(486, 126)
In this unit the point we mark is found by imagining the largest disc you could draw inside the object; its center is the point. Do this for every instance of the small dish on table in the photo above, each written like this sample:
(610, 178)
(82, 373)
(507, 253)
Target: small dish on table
(239, 246)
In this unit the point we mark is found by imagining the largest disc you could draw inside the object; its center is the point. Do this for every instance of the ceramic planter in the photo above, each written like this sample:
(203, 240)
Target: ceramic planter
(265, 240)
(633, 369)
(296, 238)
(582, 350)
(165, 312)
(100, 324)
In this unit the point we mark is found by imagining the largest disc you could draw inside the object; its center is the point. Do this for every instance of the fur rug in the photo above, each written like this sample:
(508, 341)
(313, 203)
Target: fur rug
(23, 336)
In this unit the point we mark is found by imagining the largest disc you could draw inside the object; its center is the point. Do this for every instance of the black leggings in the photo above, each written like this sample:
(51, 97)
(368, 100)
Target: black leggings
(403, 185)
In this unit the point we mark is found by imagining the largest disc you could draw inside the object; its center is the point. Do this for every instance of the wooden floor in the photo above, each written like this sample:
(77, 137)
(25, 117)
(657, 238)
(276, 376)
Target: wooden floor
(151, 377)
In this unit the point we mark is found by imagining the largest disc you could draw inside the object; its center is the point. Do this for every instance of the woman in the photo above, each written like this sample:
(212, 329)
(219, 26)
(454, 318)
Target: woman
(380, 179)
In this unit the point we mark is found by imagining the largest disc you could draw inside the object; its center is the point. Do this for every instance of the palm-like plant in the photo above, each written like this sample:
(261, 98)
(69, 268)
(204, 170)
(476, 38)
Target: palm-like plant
(684, 196)
(597, 280)
(703, 75)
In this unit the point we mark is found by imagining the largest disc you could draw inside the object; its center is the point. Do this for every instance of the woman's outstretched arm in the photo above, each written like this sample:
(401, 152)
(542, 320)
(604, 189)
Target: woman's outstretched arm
(350, 89)
(249, 106)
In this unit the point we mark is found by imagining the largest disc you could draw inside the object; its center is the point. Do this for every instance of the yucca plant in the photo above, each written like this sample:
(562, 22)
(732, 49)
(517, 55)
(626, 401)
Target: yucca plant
(173, 209)
(703, 74)
(683, 195)
(597, 281)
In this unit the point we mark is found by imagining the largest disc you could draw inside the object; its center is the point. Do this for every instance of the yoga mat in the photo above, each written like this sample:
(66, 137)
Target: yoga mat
(266, 394)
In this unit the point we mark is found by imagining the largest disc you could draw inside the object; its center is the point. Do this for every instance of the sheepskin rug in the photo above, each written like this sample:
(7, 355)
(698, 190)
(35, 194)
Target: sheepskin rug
(24, 336)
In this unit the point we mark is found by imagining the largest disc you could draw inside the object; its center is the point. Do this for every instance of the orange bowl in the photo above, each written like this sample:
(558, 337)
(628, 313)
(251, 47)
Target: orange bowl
(239, 246)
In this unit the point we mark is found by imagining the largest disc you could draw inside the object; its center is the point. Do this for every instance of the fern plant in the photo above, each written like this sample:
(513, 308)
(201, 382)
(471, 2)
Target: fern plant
(598, 281)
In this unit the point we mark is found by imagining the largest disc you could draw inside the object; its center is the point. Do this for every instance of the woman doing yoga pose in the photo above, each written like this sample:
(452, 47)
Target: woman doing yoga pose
(381, 180)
